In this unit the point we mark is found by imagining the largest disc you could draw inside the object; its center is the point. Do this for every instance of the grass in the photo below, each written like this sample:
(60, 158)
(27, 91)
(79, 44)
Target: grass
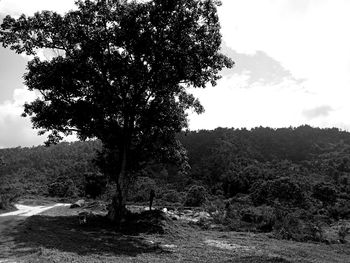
(8, 209)
(56, 236)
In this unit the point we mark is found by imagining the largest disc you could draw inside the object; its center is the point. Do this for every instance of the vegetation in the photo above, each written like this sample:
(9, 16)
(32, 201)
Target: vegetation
(56, 171)
(250, 180)
(196, 196)
(292, 181)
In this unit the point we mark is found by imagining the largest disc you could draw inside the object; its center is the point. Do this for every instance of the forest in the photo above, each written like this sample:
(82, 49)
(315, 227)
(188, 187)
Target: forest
(288, 181)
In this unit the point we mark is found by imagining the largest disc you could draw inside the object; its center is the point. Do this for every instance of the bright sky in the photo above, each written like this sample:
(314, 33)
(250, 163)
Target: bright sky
(292, 68)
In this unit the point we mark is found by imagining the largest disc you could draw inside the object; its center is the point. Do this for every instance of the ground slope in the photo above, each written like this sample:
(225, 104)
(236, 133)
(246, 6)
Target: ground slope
(56, 236)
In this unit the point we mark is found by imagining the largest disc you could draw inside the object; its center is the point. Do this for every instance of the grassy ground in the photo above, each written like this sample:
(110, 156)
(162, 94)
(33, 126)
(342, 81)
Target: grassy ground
(56, 236)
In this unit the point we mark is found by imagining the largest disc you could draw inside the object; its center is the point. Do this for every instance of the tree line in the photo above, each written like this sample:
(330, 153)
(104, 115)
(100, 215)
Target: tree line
(224, 161)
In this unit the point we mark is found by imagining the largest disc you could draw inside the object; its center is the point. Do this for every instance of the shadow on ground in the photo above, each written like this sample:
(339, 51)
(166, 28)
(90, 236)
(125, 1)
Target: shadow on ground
(64, 233)
(261, 259)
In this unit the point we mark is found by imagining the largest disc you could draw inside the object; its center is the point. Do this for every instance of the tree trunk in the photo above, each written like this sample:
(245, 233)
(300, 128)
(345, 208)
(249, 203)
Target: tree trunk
(117, 209)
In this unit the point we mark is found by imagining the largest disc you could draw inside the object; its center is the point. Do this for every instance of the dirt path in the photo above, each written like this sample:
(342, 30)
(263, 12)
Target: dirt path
(26, 210)
(11, 219)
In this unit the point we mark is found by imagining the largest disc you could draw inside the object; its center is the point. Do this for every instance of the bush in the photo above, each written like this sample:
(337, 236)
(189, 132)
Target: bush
(298, 226)
(325, 192)
(343, 232)
(283, 189)
(172, 196)
(196, 196)
(63, 187)
(234, 184)
(340, 210)
(140, 191)
(95, 184)
(8, 195)
(214, 205)
(263, 217)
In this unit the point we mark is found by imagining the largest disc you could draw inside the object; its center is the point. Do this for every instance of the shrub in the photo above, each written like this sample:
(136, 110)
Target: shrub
(263, 217)
(340, 210)
(235, 183)
(5, 203)
(140, 191)
(95, 184)
(260, 192)
(325, 192)
(172, 196)
(109, 192)
(8, 194)
(283, 189)
(343, 232)
(63, 187)
(215, 204)
(298, 226)
(196, 196)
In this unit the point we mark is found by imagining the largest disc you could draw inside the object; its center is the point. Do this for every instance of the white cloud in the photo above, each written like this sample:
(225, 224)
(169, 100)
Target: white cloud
(15, 130)
(230, 104)
(44, 54)
(259, 67)
(323, 110)
(310, 39)
(17, 7)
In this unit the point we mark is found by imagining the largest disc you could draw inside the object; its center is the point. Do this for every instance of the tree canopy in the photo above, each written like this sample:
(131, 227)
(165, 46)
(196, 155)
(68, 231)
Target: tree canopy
(120, 73)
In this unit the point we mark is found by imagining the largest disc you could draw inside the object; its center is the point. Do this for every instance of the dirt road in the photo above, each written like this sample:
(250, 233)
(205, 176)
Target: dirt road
(11, 219)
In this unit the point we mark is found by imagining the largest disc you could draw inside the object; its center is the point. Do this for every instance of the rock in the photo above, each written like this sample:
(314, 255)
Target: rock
(175, 217)
(169, 246)
(204, 214)
(78, 203)
(215, 213)
(165, 210)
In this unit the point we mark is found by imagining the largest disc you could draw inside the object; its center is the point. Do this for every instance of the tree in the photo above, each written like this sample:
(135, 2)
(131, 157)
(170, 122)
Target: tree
(120, 75)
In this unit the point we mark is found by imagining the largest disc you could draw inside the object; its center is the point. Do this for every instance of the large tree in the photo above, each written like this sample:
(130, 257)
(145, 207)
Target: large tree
(120, 74)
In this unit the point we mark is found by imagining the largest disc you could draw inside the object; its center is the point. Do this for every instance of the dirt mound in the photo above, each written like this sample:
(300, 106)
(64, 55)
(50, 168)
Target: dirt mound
(150, 222)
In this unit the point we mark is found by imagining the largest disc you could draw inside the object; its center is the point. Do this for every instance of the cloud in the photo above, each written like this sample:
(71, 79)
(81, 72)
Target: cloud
(320, 111)
(15, 130)
(227, 105)
(18, 7)
(307, 38)
(11, 71)
(258, 67)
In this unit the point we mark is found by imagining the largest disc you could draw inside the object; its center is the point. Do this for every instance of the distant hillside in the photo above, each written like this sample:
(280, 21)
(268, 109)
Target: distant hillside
(225, 161)
(33, 170)
(246, 156)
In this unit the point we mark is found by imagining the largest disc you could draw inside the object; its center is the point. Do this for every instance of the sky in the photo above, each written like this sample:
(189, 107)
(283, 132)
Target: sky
(292, 65)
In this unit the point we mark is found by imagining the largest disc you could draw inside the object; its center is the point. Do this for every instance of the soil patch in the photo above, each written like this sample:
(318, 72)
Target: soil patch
(226, 245)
